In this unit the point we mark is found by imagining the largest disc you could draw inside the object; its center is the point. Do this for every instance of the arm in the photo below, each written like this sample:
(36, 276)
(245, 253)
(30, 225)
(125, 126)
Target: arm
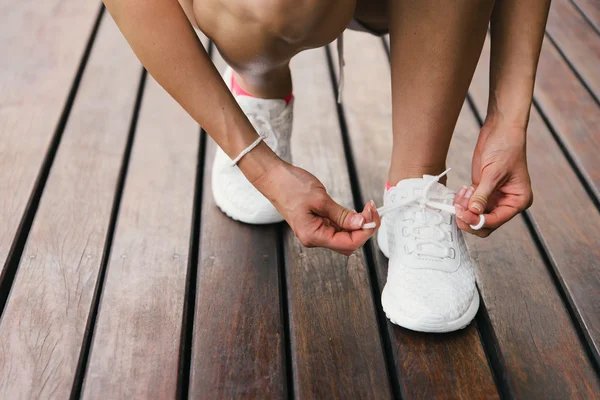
(163, 39)
(517, 30)
(502, 187)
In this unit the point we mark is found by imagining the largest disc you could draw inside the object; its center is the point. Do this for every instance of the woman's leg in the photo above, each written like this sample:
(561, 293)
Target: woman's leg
(259, 38)
(435, 46)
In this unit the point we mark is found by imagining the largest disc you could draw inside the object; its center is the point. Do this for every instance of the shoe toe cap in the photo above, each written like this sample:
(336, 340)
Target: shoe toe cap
(432, 295)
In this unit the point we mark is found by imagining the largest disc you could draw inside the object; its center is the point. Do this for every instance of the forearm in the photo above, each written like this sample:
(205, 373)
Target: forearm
(517, 30)
(163, 39)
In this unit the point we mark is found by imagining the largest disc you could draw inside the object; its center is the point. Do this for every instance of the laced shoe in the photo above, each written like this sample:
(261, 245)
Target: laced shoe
(430, 285)
(233, 193)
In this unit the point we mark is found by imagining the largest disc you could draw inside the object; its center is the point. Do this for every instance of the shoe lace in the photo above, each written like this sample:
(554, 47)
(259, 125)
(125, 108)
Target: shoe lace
(429, 205)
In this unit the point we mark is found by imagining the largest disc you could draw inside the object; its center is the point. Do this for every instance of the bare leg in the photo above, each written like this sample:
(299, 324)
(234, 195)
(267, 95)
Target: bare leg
(259, 38)
(435, 46)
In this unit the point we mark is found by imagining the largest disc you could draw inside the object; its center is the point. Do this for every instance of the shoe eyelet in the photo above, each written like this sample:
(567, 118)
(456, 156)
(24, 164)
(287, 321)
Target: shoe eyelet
(452, 254)
(405, 231)
(407, 250)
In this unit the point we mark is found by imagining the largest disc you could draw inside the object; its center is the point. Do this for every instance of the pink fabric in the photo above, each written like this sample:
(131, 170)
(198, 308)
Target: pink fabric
(237, 89)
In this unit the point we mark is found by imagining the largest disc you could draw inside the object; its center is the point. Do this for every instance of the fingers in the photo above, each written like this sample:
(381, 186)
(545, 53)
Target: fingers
(483, 232)
(479, 198)
(499, 216)
(465, 218)
(344, 241)
(341, 216)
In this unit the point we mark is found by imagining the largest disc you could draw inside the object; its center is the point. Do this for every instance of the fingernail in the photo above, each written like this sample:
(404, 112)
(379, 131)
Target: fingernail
(370, 212)
(356, 221)
(461, 192)
(373, 203)
(476, 207)
(469, 193)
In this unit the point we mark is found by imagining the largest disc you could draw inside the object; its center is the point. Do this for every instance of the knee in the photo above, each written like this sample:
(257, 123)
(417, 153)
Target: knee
(291, 20)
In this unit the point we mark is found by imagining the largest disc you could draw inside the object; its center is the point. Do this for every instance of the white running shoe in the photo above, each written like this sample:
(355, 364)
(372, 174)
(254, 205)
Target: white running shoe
(235, 196)
(430, 285)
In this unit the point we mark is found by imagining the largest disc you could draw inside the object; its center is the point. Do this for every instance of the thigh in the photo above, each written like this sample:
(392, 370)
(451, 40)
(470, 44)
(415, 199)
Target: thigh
(188, 8)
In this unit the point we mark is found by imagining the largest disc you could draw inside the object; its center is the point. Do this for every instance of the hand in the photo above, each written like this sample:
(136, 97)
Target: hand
(316, 219)
(501, 185)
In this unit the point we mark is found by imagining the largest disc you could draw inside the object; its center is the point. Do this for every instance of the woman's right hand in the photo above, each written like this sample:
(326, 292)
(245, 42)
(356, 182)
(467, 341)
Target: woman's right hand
(316, 219)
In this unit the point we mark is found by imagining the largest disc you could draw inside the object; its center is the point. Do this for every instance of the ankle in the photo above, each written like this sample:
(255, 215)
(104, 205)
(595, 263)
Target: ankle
(398, 174)
(275, 84)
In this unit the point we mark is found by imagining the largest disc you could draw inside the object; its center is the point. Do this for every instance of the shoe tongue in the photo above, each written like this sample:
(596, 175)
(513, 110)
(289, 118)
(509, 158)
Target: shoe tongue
(267, 107)
(419, 183)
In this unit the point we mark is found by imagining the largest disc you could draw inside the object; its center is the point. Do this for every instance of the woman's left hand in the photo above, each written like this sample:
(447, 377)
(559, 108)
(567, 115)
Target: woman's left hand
(501, 185)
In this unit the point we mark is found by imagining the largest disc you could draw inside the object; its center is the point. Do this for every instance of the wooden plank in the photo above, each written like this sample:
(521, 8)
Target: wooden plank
(136, 346)
(572, 112)
(42, 43)
(429, 366)
(43, 325)
(537, 346)
(577, 40)
(563, 213)
(335, 342)
(591, 9)
(238, 344)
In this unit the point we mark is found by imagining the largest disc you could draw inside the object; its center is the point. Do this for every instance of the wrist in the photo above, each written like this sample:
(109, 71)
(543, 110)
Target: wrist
(258, 162)
(510, 105)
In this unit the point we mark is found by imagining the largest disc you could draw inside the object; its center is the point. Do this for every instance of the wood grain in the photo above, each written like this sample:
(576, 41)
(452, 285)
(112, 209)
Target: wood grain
(42, 328)
(42, 45)
(591, 9)
(336, 346)
(577, 40)
(572, 112)
(135, 350)
(565, 216)
(238, 344)
(429, 366)
(537, 345)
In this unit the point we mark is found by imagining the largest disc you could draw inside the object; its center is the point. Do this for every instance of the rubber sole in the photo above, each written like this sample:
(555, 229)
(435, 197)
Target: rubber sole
(230, 210)
(429, 325)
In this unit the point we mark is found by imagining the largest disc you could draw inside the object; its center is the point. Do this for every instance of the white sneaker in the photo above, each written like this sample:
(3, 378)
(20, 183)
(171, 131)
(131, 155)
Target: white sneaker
(430, 285)
(235, 196)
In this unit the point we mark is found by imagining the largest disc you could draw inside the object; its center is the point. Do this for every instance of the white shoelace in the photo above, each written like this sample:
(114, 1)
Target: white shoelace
(423, 199)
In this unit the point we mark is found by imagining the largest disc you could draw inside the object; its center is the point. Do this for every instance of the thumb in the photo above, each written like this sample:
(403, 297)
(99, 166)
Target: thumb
(487, 186)
(344, 218)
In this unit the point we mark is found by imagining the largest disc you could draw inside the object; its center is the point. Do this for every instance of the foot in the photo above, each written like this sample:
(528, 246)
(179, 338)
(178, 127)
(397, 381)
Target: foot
(235, 196)
(430, 285)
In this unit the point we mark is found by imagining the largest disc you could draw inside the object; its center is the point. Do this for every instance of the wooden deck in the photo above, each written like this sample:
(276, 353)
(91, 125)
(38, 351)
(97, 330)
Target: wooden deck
(120, 279)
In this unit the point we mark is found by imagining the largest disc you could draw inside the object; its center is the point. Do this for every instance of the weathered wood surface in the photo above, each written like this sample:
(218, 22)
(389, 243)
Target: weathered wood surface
(44, 322)
(42, 45)
(428, 366)
(572, 112)
(238, 344)
(591, 9)
(252, 282)
(136, 343)
(563, 213)
(537, 346)
(577, 40)
(335, 343)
